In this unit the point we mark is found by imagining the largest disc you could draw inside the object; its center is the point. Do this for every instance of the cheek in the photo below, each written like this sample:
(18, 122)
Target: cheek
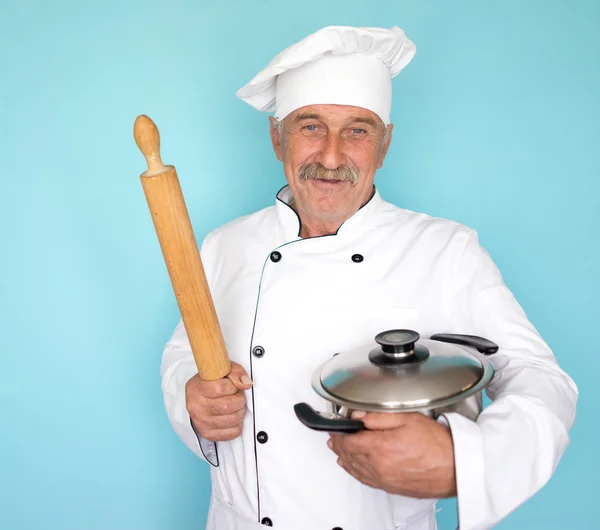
(363, 157)
(299, 152)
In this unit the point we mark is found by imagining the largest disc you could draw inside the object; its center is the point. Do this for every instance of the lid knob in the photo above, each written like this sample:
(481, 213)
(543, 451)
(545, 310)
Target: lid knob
(398, 341)
(398, 346)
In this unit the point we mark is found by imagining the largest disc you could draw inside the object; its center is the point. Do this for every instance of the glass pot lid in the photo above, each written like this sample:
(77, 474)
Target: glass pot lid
(403, 372)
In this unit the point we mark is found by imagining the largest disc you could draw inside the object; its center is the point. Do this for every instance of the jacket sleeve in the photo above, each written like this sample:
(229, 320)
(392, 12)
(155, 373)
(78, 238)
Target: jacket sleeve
(511, 451)
(177, 367)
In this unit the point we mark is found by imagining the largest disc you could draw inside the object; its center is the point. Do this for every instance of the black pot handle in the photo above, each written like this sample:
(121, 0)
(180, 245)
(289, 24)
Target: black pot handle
(487, 347)
(319, 422)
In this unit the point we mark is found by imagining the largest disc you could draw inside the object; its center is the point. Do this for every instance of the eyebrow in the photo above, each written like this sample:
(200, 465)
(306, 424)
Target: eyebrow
(305, 116)
(355, 119)
(368, 121)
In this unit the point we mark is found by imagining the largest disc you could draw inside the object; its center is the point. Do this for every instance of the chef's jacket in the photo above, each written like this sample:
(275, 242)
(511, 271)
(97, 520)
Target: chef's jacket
(287, 304)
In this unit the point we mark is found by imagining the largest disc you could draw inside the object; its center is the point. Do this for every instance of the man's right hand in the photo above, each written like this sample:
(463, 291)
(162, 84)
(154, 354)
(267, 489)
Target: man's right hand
(217, 408)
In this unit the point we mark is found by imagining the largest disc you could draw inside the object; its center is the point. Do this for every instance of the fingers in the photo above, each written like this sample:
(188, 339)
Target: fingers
(223, 405)
(335, 443)
(219, 427)
(379, 421)
(239, 377)
(211, 389)
(217, 408)
(203, 409)
(219, 419)
(218, 423)
(355, 463)
(355, 444)
(221, 435)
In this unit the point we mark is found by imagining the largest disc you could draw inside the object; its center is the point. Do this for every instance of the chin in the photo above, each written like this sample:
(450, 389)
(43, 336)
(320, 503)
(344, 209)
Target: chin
(331, 215)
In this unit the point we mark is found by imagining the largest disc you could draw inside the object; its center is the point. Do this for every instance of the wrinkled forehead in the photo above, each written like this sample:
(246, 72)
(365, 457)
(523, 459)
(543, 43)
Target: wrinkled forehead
(335, 115)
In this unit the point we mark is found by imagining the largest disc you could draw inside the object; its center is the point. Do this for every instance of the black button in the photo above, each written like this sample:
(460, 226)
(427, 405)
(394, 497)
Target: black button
(266, 521)
(275, 256)
(357, 258)
(262, 437)
(338, 528)
(258, 351)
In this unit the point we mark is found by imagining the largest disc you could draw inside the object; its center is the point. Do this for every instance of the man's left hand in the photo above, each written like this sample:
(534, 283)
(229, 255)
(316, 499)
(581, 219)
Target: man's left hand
(402, 453)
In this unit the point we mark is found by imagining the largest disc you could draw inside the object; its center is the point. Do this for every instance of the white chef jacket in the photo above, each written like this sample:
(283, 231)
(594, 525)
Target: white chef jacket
(287, 304)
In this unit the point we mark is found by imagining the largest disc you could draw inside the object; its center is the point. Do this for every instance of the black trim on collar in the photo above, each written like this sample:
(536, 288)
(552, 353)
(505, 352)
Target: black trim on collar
(298, 217)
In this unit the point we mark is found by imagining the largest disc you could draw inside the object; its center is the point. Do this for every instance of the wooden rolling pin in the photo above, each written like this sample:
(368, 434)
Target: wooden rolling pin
(180, 251)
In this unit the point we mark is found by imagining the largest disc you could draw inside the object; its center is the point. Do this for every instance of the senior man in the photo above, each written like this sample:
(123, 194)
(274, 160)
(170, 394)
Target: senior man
(323, 270)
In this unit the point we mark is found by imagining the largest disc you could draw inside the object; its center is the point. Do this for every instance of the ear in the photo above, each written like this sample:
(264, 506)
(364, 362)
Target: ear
(275, 137)
(386, 146)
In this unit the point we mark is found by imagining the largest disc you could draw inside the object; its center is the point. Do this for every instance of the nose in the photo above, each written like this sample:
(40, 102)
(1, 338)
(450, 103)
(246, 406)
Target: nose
(331, 154)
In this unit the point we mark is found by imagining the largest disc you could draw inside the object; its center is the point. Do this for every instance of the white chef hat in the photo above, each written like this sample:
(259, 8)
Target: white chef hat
(336, 65)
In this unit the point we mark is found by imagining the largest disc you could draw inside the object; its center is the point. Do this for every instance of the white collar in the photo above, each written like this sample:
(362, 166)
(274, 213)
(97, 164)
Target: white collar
(291, 222)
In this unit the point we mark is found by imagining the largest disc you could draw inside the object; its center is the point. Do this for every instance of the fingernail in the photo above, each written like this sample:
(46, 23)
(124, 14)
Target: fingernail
(358, 414)
(246, 380)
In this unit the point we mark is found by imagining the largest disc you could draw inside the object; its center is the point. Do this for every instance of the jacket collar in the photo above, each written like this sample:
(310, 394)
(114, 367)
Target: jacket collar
(356, 224)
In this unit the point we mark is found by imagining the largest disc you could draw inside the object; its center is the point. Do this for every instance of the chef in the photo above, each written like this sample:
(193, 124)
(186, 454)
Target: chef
(323, 270)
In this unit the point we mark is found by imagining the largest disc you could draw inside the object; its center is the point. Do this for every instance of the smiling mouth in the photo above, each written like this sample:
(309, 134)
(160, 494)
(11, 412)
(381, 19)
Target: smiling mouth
(328, 182)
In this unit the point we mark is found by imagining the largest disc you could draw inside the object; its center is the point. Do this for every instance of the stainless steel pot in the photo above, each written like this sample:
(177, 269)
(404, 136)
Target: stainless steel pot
(446, 373)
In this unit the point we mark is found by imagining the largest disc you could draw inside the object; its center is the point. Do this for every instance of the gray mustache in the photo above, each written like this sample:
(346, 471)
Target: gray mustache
(317, 171)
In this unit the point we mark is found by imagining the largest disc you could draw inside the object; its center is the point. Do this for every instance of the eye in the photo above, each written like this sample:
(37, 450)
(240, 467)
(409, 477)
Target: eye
(358, 131)
(313, 130)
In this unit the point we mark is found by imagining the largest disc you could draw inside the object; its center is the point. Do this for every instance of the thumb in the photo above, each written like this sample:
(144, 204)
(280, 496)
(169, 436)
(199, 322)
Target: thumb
(379, 421)
(239, 377)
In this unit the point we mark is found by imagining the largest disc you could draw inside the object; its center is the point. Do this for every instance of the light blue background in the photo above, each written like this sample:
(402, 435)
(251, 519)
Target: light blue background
(496, 127)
